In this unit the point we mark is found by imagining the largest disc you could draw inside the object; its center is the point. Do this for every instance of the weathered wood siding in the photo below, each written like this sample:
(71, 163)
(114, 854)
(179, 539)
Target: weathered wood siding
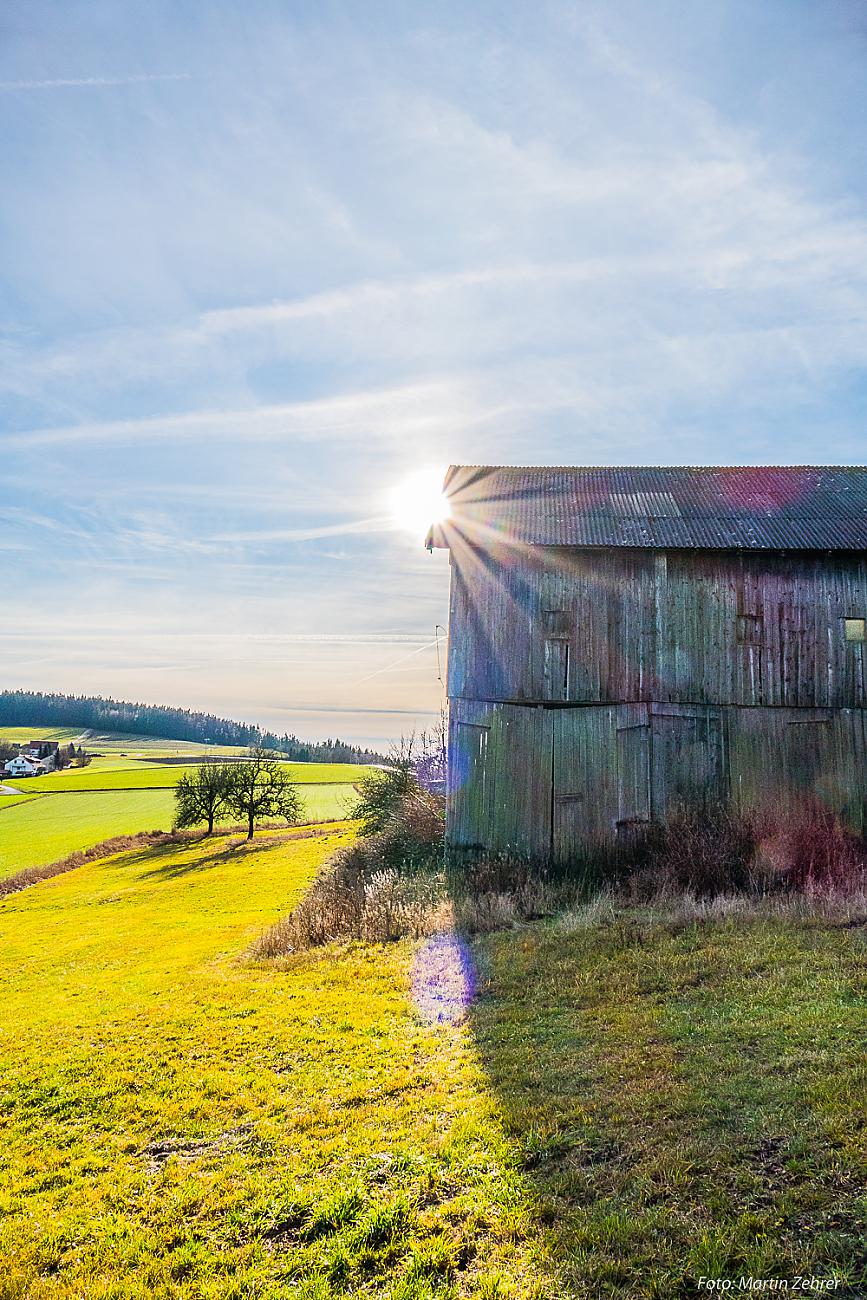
(563, 782)
(779, 757)
(691, 627)
(500, 778)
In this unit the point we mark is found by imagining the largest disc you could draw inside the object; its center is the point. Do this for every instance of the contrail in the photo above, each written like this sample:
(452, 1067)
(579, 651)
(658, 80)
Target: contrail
(96, 81)
(387, 667)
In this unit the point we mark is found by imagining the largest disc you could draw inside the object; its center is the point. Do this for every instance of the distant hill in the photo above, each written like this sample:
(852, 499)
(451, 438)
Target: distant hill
(94, 712)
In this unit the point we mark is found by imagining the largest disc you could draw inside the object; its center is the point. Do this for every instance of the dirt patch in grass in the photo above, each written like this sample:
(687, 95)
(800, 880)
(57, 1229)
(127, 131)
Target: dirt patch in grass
(157, 1153)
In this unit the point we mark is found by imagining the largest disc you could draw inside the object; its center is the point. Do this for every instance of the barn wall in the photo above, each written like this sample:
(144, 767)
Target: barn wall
(564, 783)
(500, 778)
(689, 627)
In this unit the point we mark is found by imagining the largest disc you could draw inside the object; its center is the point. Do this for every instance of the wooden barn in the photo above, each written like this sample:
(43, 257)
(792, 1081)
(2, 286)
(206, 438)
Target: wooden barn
(623, 641)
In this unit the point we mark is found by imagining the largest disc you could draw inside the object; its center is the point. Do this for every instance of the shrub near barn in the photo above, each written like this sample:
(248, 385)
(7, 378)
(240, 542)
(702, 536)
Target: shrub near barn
(390, 882)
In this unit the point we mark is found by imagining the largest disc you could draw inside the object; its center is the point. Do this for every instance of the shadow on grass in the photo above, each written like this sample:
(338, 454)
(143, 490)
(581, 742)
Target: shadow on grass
(681, 1104)
(195, 863)
(187, 858)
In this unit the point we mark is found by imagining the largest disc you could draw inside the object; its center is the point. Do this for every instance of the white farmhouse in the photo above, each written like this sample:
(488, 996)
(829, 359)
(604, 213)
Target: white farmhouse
(22, 765)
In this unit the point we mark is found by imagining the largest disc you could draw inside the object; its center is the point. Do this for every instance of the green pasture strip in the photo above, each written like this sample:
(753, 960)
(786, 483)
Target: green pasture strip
(116, 742)
(152, 776)
(10, 800)
(39, 830)
(26, 734)
(42, 830)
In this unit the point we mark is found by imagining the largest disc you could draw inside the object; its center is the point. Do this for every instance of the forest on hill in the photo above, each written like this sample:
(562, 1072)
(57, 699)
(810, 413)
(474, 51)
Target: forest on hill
(94, 712)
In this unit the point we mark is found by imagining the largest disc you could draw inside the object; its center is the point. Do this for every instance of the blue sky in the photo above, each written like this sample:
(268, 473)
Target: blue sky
(260, 262)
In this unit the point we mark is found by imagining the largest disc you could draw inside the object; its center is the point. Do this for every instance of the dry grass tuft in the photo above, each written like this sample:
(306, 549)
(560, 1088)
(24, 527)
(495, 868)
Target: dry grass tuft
(705, 865)
(361, 898)
(355, 900)
(845, 908)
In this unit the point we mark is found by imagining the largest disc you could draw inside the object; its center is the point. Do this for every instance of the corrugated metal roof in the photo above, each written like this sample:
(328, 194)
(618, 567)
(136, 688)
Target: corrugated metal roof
(767, 507)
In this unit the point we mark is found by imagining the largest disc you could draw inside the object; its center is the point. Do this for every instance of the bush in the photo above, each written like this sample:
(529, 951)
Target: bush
(701, 851)
(361, 897)
(407, 797)
(381, 792)
(809, 849)
(391, 882)
(707, 852)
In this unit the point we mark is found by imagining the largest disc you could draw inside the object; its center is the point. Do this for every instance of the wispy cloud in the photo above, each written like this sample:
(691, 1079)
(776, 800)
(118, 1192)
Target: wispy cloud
(134, 79)
(347, 527)
(387, 668)
(408, 410)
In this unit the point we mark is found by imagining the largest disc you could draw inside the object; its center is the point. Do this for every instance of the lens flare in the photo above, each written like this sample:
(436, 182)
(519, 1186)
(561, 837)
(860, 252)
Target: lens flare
(418, 502)
(443, 980)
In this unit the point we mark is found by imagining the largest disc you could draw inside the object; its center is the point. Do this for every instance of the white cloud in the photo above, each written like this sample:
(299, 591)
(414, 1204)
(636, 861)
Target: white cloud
(381, 413)
(60, 82)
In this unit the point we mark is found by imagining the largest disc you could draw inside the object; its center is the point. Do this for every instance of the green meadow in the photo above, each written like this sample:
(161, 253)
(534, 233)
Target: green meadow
(104, 775)
(37, 829)
(46, 827)
(626, 1106)
(118, 743)
(119, 793)
(22, 735)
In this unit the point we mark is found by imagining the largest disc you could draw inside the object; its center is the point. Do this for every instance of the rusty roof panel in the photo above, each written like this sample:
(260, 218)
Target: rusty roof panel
(771, 507)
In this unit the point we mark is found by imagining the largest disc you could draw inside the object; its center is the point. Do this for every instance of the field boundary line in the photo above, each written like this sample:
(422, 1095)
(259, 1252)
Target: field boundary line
(29, 798)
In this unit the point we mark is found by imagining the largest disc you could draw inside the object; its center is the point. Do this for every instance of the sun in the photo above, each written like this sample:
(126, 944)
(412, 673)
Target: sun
(418, 501)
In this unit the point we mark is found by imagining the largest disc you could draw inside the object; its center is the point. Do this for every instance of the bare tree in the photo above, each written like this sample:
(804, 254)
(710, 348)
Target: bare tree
(261, 787)
(201, 796)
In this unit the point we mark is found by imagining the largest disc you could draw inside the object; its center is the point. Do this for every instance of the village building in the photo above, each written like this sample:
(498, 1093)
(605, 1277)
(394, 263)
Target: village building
(627, 641)
(45, 751)
(24, 765)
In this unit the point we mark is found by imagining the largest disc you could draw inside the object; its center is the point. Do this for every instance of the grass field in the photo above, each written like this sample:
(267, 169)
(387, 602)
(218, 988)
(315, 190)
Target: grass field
(628, 1105)
(118, 794)
(22, 735)
(9, 800)
(143, 776)
(114, 751)
(39, 829)
(115, 742)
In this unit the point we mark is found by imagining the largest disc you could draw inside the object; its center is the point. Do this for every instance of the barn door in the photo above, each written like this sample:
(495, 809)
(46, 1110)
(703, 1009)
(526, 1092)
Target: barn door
(687, 765)
(470, 777)
(633, 774)
(521, 743)
(585, 784)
